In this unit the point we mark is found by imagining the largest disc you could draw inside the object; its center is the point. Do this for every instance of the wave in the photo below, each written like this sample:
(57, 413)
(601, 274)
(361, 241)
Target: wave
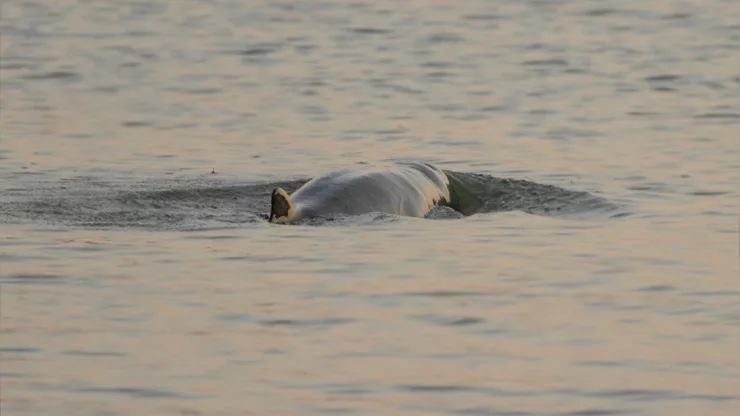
(208, 202)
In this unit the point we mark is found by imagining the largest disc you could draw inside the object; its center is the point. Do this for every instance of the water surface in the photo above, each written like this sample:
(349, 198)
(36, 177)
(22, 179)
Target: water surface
(139, 142)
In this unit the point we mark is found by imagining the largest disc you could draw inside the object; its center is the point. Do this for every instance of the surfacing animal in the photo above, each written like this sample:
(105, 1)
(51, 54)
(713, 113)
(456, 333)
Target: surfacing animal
(403, 188)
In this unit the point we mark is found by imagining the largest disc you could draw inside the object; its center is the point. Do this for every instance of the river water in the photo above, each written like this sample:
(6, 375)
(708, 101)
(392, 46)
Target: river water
(139, 143)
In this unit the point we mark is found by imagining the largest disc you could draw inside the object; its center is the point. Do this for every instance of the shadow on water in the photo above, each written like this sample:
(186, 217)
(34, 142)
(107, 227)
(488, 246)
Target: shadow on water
(196, 204)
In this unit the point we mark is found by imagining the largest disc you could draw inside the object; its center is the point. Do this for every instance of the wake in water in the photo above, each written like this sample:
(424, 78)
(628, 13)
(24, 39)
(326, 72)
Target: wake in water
(478, 193)
(209, 202)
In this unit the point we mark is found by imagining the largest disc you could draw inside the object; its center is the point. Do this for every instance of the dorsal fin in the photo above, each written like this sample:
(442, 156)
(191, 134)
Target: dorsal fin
(282, 209)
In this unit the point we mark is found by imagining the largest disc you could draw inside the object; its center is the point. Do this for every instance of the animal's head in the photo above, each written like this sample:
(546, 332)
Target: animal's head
(282, 210)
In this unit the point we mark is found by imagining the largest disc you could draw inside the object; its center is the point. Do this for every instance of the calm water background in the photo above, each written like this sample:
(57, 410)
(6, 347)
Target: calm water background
(188, 313)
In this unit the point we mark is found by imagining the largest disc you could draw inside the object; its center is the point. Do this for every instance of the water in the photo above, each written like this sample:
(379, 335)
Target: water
(139, 142)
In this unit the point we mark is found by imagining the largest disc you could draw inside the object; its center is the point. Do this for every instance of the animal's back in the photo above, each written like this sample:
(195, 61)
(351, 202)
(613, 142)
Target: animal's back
(409, 189)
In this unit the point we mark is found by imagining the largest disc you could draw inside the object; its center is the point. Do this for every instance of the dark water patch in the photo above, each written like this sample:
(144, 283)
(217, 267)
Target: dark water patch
(7, 258)
(94, 353)
(643, 113)
(596, 412)
(645, 395)
(311, 82)
(399, 88)
(438, 64)
(381, 132)
(238, 317)
(541, 111)
(446, 294)
(304, 323)
(437, 388)
(79, 248)
(334, 388)
(600, 363)
(31, 278)
(16, 241)
(334, 410)
(370, 31)
(657, 288)
(677, 16)
(259, 50)
(449, 321)
(439, 74)
(489, 411)
(484, 17)
(546, 62)
(617, 306)
(139, 33)
(731, 293)
(313, 110)
(51, 75)
(18, 350)
(493, 108)
(542, 92)
(136, 392)
(284, 19)
(662, 78)
(599, 12)
(445, 108)
(717, 86)
(106, 89)
(564, 133)
(28, 172)
(213, 237)
(241, 258)
(444, 38)
(708, 193)
(305, 48)
(678, 311)
(12, 66)
(713, 338)
(576, 71)
(717, 214)
(134, 123)
(718, 116)
(465, 321)
(572, 284)
(456, 143)
(657, 187)
(13, 375)
(456, 388)
(202, 91)
(664, 89)
(537, 46)
(353, 391)
(623, 87)
(78, 136)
